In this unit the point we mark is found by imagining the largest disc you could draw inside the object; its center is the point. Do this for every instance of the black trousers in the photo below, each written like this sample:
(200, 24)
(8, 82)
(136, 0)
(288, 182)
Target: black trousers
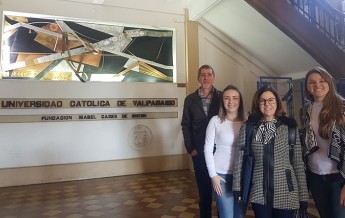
(204, 184)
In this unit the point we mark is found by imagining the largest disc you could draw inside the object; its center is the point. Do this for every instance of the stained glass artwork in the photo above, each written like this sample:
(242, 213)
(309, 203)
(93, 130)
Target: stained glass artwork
(46, 48)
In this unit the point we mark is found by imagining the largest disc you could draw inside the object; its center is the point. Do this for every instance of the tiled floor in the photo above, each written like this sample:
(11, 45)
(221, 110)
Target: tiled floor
(164, 195)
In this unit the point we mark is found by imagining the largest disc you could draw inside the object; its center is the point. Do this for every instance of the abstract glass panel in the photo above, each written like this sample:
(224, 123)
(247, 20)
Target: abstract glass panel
(46, 48)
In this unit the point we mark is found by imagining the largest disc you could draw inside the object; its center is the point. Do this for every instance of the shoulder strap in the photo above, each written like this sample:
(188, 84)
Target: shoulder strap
(292, 136)
(292, 141)
(249, 136)
(341, 159)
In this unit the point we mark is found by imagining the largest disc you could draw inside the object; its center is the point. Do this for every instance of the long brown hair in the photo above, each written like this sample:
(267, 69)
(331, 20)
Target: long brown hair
(222, 111)
(332, 109)
(256, 98)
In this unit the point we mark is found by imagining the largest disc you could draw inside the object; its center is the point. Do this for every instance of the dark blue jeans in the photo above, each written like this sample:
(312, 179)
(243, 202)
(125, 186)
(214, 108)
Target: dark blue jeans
(204, 184)
(326, 194)
(262, 211)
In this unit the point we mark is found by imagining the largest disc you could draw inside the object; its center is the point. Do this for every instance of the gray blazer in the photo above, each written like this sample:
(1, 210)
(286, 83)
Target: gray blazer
(276, 182)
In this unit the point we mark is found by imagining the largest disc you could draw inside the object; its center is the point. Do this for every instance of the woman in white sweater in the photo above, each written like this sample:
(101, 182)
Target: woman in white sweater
(220, 148)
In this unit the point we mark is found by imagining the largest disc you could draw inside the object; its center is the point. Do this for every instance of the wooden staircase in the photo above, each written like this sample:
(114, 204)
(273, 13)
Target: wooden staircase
(314, 25)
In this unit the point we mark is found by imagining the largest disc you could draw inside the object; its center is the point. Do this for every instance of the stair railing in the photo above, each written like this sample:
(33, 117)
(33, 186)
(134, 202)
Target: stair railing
(329, 20)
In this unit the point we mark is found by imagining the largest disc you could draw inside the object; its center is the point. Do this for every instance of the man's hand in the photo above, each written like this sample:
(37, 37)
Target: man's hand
(194, 153)
(216, 180)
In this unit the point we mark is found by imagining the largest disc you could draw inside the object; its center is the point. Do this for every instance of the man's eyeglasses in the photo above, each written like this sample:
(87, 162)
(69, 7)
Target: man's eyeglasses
(270, 101)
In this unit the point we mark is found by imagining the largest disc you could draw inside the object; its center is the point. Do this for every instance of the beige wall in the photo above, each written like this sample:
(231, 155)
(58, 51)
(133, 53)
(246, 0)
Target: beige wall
(79, 171)
(60, 151)
(232, 64)
(192, 62)
(205, 45)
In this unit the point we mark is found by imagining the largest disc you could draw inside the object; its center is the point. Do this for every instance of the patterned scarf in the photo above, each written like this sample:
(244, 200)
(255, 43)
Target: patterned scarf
(310, 140)
(337, 146)
(266, 131)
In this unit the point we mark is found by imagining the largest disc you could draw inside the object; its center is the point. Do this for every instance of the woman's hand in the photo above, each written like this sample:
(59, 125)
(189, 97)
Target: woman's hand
(216, 180)
(342, 196)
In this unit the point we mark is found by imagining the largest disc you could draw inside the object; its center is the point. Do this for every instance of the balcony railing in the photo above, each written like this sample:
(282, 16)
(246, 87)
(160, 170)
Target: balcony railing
(329, 20)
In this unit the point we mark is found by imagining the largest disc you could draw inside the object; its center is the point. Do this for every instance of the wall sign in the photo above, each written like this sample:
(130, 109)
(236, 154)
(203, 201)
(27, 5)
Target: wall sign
(85, 117)
(86, 103)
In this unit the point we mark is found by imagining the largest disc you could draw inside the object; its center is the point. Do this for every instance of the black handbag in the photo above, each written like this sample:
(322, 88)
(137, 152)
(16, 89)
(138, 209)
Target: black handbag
(247, 165)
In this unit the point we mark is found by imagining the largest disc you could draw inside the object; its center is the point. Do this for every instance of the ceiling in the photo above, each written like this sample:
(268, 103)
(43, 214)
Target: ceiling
(245, 26)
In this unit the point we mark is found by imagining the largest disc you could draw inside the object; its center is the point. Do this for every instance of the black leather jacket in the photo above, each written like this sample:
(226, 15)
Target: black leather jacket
(194, 120)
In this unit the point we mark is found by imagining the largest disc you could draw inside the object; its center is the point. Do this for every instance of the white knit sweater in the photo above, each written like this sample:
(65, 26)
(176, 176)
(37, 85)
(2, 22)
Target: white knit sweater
(224, 137)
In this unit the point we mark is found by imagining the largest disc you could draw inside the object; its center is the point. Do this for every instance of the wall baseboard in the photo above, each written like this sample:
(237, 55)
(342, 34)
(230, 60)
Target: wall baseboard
(80, 171)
